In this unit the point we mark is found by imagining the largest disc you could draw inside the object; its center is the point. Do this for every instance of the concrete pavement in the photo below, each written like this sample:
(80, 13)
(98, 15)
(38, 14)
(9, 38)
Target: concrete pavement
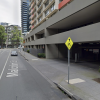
(20, 81)
(81, 76)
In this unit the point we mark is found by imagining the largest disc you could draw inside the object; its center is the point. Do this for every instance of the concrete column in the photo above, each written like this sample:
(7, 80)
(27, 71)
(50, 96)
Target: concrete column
(30, 39)
(51, 51)
(35, 37)
(43, 12)
(56, 4)
(35, 47)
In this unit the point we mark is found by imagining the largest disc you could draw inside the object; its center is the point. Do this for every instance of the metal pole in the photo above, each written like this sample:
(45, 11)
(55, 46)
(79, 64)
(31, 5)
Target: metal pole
(68, 63)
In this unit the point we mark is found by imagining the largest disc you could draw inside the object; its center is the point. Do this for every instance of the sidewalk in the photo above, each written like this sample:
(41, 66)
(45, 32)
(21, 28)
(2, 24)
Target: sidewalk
(81, 76)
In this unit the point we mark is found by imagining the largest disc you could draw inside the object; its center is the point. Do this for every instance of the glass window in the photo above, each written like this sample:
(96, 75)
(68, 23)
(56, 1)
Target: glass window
(24, 22)
(39, 5)
(39, 19)
(47, 12)
(53, 7)
(46, 4)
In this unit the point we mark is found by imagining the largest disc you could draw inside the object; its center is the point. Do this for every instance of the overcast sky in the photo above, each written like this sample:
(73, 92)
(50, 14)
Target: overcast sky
(10, 11)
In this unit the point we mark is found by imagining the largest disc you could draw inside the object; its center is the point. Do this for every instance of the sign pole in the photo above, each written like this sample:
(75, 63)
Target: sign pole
(68, 63)
(69, 44)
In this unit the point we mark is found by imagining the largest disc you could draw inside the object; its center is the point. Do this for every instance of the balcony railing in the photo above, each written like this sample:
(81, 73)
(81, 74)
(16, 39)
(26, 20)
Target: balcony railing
(32, 27)
(32, 16)
(32, 10)
(32, 4)
(32, 21)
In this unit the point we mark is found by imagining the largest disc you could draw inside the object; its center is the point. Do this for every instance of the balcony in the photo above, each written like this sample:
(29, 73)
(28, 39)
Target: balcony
(49, 5)
(44, 1)
(63, 3)
(32, 21)
(32, 16)
(40, 7)
(32, 27)
(32, 10)
(39, 2)
(32, 4)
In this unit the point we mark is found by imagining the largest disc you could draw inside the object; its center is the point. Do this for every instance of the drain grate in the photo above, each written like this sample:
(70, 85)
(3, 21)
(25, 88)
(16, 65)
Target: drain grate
(97, 80)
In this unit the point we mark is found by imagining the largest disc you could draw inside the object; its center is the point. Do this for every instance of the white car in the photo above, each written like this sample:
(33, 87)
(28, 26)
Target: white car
(14, 53)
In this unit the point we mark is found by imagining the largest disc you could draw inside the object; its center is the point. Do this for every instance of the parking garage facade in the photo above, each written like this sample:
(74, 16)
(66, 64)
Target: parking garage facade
(79, 20)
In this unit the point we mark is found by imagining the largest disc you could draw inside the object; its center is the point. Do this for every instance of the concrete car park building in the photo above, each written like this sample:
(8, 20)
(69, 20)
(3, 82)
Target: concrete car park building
(53, 21)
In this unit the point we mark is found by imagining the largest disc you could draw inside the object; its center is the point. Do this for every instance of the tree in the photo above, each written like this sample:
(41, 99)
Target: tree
(3, 35)
(16, 37)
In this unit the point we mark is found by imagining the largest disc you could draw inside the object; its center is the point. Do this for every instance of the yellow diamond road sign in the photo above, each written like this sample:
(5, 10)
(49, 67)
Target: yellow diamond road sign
(69, 43)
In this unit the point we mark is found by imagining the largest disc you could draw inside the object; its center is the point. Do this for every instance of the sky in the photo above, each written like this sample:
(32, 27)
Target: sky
(10, 11)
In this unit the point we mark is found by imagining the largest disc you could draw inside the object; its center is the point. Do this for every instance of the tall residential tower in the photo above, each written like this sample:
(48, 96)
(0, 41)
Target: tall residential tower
(25, 15)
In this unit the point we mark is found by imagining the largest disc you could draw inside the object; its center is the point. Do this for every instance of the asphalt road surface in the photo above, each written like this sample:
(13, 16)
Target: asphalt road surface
(20, 81)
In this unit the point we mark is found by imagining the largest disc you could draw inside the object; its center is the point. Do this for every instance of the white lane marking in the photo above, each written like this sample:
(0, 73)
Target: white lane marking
(13, 70)
(4, 66)
(74, 81)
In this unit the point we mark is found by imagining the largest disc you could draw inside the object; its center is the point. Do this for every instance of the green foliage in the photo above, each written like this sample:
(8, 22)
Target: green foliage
(41, 55)
(28, 51)
(16, 37)
(3, 35)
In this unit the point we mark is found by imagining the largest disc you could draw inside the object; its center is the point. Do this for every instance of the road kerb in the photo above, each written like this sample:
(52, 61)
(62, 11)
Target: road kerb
(72, 96)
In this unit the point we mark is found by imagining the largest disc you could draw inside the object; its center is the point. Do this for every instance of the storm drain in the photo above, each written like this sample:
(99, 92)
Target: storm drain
(97, 80)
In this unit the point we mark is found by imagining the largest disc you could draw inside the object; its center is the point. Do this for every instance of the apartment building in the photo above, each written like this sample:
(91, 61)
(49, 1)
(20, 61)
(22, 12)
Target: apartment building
(53, 21)
(41, 10)
(25, 16)
(8, 30)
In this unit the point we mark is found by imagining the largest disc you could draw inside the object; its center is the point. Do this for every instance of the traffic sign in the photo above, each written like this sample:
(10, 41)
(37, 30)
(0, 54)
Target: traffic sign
(69, 43)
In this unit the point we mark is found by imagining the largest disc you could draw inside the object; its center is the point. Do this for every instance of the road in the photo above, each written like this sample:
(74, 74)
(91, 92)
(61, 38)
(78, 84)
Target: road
(20, 81)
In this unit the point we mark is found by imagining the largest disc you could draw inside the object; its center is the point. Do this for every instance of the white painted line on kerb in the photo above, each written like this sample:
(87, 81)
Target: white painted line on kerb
(4, 66)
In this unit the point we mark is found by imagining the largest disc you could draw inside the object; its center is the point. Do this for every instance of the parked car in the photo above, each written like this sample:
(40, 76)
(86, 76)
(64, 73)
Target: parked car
(14, 53)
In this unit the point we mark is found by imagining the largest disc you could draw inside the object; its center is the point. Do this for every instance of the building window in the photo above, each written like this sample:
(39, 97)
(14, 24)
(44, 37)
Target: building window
(39, 5)
(39, 12)
(39, 19)
(46, 4)
(53, 7)
(47, 12)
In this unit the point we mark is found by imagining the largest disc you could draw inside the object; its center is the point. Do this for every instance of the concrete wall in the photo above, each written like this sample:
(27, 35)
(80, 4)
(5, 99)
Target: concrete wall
(83, 34)
(56, 51)
(51, 51)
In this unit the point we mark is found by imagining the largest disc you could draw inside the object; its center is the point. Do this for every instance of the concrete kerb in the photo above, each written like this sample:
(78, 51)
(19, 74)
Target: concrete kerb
(23, 56)
(72, 96)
